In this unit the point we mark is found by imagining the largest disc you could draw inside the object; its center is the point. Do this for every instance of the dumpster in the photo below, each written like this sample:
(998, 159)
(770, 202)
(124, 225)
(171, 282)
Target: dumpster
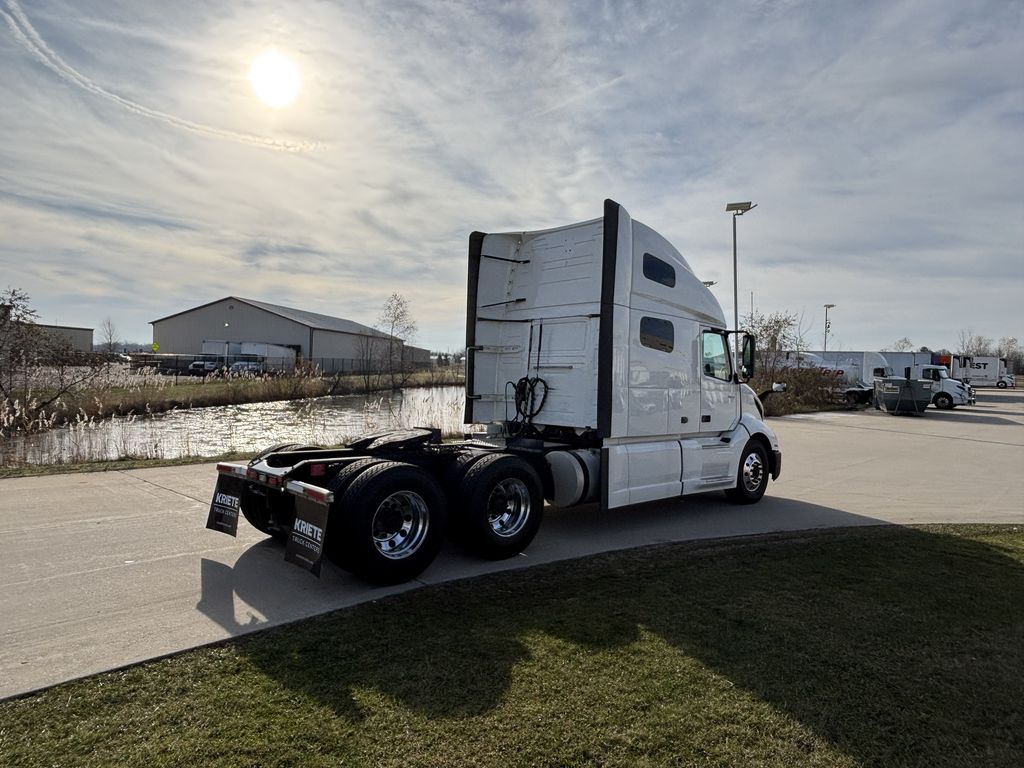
(898, 395)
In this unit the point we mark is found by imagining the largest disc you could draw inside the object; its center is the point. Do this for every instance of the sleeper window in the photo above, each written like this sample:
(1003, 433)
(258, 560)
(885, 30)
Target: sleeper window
(657, 334)
(659, 271)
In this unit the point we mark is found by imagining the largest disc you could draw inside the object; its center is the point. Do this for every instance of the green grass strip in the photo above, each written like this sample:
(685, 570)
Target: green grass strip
(863, 647)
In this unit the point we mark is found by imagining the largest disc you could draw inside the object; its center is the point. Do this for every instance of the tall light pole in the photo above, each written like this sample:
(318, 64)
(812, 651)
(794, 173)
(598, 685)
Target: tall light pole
(828, 327)
(736, 209)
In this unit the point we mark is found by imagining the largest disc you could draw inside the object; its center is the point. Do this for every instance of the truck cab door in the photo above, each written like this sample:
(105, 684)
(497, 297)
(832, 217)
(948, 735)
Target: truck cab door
(719, 401)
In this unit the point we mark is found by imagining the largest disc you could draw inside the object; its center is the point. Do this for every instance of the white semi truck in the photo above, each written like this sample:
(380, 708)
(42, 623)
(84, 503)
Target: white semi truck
(947, 392)
(990, 371)
(599, 369)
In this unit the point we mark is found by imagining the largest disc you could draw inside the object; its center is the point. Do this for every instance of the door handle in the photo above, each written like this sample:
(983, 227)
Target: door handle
(705, 418)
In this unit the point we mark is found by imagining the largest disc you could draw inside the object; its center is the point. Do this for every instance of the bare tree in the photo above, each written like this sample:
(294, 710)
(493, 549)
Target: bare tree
(399, 326)
(777, 334)
(973, 344)
(37, 368)
(900, 345)
(1011, 349)
(1007, 345)
(370, 351)
(110, 340)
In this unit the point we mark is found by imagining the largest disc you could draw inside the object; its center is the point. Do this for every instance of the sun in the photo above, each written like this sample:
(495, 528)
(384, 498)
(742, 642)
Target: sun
(274, 79)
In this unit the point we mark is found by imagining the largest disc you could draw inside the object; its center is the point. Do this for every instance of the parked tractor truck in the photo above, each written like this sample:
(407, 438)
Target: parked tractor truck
(599, 369)
(947, 392)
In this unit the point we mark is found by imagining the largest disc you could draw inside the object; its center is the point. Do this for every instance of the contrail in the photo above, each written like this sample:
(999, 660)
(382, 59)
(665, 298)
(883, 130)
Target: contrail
(581, 96)
(29, 38)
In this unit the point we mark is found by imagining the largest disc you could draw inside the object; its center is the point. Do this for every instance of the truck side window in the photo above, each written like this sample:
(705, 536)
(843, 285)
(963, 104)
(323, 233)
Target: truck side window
(659, 271)
(715, 356)
(657, 334)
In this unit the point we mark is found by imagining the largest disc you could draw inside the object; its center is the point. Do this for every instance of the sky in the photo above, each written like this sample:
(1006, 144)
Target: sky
(141, 175)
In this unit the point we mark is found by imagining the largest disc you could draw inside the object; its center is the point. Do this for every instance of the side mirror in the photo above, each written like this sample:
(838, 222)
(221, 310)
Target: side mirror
(747, 358)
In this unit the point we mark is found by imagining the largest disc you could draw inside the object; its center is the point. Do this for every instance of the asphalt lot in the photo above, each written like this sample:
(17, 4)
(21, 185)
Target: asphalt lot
(102, 570)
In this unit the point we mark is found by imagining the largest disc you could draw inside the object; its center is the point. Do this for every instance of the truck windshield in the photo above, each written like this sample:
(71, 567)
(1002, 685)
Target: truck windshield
(943, 373)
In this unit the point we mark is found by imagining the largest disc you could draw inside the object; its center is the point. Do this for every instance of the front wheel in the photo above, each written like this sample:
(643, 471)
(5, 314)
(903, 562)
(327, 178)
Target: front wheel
(390, 523)
(752, 476)
(500, 506)
(1001, 384)
(943, 401)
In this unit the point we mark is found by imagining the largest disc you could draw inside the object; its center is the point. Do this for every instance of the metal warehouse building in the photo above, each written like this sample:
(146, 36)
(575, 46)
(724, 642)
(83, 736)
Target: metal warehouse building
(234, 325)
(80, 339)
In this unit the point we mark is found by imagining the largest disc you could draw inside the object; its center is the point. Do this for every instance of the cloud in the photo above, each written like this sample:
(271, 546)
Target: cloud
(881, 144)
(29, 38)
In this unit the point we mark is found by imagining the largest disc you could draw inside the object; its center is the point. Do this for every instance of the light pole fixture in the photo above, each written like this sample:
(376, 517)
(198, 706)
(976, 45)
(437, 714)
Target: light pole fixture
(736, 209)
(828, 327)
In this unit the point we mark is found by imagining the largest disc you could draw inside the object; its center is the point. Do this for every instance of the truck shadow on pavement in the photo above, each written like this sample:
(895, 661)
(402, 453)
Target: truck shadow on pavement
(884, 641)
(969, 417)
(987, 397)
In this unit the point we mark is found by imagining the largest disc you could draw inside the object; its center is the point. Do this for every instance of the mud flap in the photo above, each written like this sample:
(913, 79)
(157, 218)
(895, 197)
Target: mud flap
(305, 547)
(226, 504)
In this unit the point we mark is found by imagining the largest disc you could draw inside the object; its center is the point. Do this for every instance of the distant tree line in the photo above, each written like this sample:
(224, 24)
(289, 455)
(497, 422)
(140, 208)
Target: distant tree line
(974, 344)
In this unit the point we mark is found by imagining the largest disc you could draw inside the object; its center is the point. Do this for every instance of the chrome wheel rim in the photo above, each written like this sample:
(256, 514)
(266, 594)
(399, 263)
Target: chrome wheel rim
(508, 507)
(753, 472)
(400, 524)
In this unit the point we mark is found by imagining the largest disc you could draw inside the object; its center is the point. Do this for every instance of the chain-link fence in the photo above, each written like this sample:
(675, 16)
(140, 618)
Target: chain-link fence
(253, 365)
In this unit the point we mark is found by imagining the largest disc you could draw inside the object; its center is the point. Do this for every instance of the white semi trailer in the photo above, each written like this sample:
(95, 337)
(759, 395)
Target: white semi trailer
(854, 372)
(599, 367)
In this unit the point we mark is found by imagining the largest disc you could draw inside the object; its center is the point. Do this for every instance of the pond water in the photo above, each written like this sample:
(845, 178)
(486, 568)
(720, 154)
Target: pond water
(246, 427)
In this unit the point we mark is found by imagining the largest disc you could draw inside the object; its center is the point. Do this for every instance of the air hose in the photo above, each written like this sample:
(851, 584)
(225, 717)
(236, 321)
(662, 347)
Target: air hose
(526, 397)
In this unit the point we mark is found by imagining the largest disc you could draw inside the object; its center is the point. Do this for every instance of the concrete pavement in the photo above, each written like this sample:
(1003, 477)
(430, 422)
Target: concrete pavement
(106, 569)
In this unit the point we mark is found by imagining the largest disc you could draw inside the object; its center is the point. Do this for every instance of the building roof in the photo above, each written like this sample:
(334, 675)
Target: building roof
(302, 317)
(63, 327)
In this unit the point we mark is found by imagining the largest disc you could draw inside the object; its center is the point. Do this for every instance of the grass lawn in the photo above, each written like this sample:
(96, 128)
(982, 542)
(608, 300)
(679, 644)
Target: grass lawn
(864, 647)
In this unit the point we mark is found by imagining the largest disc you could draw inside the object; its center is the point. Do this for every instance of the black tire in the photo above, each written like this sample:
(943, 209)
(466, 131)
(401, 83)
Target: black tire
(389, 524)
(338, 485)
(271, 512)
(500, 506)
(341, 481)
(943, 401)
(1001, 384)
(752, 475)
(452, 479)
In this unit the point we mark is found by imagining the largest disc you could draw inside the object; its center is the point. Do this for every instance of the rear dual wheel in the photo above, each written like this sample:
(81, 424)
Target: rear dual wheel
(497, 506)
(389, 523)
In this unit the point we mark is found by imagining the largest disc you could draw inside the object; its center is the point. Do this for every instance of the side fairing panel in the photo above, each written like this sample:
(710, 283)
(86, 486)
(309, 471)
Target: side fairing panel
(639, 472)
